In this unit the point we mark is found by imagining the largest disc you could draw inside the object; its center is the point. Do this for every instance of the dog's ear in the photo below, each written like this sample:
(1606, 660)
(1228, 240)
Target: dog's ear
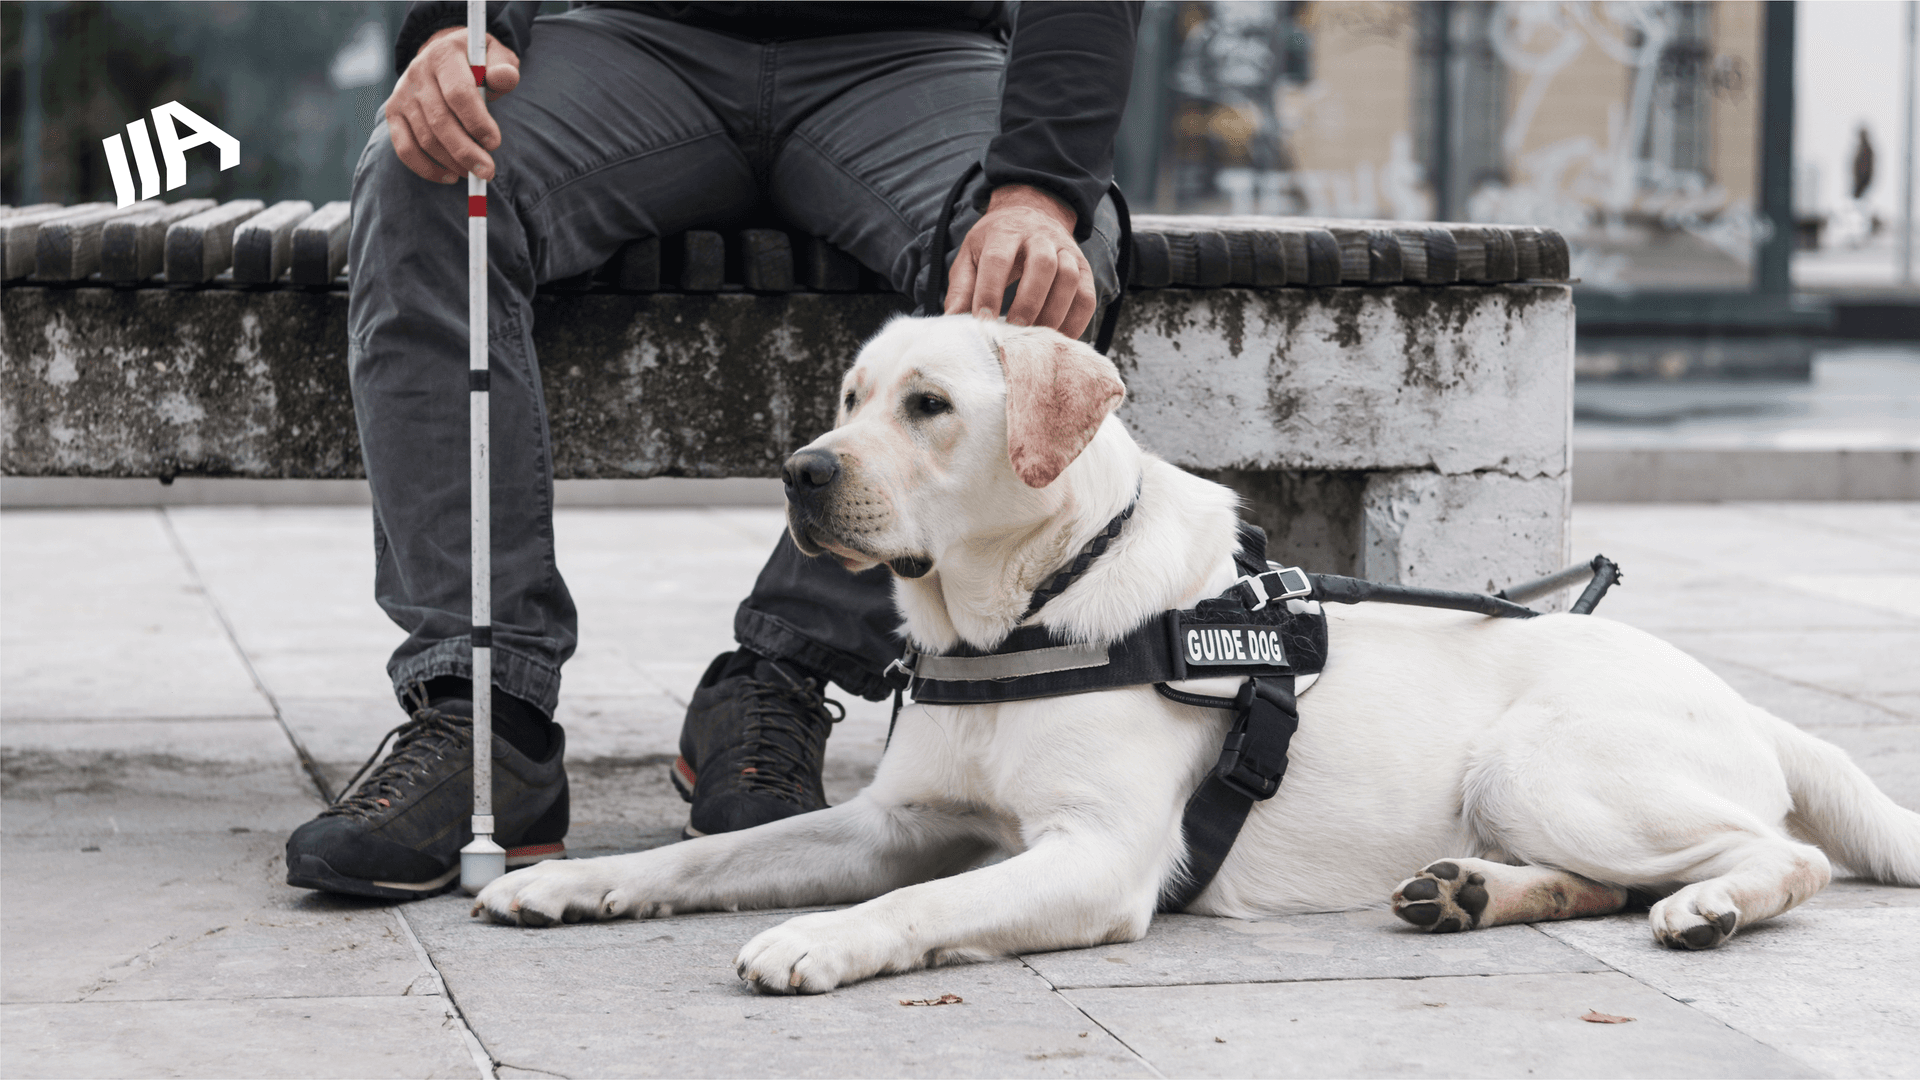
(1058, 392)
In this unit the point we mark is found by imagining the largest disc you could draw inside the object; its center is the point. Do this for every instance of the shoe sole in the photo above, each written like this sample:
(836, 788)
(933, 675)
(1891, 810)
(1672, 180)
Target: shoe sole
(683, 779)
(314, 873)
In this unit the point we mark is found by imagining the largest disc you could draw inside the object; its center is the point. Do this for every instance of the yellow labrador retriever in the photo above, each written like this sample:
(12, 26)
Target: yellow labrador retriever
(1550, 764)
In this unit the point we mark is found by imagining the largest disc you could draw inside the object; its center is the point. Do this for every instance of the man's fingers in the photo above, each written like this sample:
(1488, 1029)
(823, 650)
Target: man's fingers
(459, 118)
(1036, 281)
(420, 120)
(998, 266)
(1081, 313)
(960, 278)
(410, 153)
(503, 74)
(1066, 287)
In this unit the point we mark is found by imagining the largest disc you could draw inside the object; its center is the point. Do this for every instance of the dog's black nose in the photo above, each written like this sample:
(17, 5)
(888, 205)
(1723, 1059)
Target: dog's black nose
(810, 470)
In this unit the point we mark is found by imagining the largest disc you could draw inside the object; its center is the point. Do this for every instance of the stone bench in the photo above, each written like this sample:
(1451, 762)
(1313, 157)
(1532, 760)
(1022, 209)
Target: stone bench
(1392, 398)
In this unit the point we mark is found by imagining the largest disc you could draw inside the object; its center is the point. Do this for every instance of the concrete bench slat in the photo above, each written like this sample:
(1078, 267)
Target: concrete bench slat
(133, 249)
(320, 244)
(823, 267)
(1191, 251)
(263, 245)
(698, 261)
(636, 267)
(766, 261)
(34, 208)
(1309, 255)
(68, 248)
(200, 248)
(20, 236)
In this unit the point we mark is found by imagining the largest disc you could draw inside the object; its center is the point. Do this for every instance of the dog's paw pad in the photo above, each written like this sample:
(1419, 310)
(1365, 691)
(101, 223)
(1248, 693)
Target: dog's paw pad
(1689, 929)
(1441, 899)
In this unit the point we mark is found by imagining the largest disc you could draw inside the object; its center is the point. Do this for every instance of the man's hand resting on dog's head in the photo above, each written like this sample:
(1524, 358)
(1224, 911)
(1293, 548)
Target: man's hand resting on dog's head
(439, 126)
(1025, 236)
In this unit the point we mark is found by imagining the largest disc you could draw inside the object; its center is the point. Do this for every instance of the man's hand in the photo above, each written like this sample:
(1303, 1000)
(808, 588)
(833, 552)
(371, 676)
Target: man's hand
(439, 125)
(1026, 235)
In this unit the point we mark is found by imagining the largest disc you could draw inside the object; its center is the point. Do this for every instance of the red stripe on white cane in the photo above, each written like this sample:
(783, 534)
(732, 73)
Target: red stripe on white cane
(476, 206)
(480, 75)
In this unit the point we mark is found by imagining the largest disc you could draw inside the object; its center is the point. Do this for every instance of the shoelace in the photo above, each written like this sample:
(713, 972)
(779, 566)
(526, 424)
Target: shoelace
(417, 742)
(782, 748)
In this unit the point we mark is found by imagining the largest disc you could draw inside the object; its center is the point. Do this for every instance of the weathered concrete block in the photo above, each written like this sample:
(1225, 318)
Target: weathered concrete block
(1456, 379)
(1410, 434)
(1473, 531)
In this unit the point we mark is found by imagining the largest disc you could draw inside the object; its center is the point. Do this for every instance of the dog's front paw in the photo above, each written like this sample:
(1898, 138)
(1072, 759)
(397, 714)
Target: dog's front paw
(814, 953)
(561, 891)
(1445, 896)
(1695, 918)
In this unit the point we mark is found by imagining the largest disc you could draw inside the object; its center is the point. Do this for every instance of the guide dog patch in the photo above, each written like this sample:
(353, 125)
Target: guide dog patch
(1237, 644)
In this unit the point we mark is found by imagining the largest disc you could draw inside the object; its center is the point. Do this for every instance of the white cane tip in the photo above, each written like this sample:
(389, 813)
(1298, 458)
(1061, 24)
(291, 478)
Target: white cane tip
(481, 867)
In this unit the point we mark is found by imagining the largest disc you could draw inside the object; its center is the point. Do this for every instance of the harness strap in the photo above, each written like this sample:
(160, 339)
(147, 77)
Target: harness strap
(1252, 761)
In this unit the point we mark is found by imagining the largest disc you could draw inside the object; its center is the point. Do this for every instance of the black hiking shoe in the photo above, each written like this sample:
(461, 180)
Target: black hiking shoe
(399, 834)
(751, 748)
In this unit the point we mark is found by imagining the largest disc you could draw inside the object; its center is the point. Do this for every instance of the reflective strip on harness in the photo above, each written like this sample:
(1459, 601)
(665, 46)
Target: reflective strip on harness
(1002, 666)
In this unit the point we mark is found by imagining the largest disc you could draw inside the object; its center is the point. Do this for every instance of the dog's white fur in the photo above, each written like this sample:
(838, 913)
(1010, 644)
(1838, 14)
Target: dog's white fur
(1559, 760)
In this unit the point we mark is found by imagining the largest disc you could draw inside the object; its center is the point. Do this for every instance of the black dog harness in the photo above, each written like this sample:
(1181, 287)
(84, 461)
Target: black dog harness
(1267, 626)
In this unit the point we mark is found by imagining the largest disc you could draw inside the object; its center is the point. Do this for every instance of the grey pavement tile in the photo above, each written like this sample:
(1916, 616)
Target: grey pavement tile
(676, 1009)
(195, 915)
(1755, 538)
(1890, 754)
(1366, 944)
(1458, 1026)
(1892, 522)
(620, 726)
(1863, 893)
(103, 619)
(388, 1036)
(1805, 705)
(1831, 986)
(91, 780)
(296, 584)
(1853, 663)
(660, 998)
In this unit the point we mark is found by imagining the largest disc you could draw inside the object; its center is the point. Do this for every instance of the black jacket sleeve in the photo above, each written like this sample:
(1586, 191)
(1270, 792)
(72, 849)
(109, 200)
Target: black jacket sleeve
(1068, 70)
(511, 22)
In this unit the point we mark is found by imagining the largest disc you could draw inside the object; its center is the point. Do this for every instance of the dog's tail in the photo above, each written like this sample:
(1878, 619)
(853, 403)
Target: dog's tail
(1837, 807)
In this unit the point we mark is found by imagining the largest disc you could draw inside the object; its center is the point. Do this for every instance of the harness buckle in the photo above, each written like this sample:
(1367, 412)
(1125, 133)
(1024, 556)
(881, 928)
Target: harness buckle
(1278, 584)
(1253, 758)
(902, 664)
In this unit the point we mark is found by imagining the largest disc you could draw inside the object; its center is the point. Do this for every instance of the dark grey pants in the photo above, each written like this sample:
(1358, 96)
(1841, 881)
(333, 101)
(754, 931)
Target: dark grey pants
(627, 126)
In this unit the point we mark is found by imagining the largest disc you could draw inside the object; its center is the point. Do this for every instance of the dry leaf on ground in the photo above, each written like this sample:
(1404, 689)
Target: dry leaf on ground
(1599, 1018)
(943, 1000)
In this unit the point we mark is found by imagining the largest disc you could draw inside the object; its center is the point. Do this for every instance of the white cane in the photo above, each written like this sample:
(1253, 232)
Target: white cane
(481, 861)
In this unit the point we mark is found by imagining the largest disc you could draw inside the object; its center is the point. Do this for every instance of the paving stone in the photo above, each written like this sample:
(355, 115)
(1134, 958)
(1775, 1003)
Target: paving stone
(1856, 663)
(283, 1037)
(1183, 949)
(104, 620)
(660, 999)
(1828, 984)
(1459, 1026)
(1805, 705)
(95, 779)
(212, 918)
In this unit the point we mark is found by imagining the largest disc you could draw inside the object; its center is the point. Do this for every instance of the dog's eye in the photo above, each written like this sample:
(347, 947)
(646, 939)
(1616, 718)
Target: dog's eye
(930, 406)
(848, 401)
